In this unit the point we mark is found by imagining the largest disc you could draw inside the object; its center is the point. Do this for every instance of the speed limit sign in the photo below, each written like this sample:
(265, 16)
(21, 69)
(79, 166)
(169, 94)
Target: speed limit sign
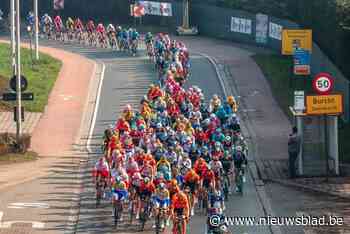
(323, 83)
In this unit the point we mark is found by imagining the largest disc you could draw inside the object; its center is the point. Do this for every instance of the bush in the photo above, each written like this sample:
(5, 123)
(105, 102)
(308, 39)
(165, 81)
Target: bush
(8, 143)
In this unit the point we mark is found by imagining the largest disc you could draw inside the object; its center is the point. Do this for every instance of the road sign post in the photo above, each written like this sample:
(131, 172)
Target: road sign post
(18, 72)
(299, 101)
(323, 83)
(301, 62)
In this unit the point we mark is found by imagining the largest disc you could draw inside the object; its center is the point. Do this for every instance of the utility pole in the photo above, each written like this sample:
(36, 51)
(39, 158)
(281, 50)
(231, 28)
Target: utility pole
(13, 35)
(18, 73)
(185, 20)
(36, 30)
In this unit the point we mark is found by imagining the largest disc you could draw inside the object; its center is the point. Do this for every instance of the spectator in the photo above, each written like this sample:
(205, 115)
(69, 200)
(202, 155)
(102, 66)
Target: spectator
(293, 151)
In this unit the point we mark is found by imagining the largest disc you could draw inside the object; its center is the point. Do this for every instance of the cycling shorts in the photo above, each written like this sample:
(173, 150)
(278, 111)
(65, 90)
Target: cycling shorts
(120, 194)
(161, 203)
(179, 211)
(191, 185)
(144, 194)
(206, 183)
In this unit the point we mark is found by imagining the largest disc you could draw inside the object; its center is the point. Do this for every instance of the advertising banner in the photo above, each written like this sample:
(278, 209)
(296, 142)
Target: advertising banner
(58, 4)
(241, 25)
(275, 31)
(262, 27)
(157, 8)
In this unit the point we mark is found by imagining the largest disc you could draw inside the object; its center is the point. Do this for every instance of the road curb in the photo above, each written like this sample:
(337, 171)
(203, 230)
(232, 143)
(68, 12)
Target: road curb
(309, 188)
(259, 184)
(81, 145)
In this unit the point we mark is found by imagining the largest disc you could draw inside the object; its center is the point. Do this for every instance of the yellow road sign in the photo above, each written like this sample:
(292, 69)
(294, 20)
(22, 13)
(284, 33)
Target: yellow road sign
(324, 104)
(291, 39)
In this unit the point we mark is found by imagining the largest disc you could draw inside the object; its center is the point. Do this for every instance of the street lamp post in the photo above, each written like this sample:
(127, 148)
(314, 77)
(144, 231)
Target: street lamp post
(36, 29)
(13, 35)
(18, 74)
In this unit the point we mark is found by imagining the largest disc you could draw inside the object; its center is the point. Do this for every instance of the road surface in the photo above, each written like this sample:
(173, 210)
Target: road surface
(48, 204)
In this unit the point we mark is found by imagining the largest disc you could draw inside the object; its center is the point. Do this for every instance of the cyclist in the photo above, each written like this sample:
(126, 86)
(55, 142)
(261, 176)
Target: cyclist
(233, 103)
(216, 199)
(134, 36)
(240, 162)
(145, 192)
(46, 21)
(162, 201)
(119, 190)
(58, 24)
(180, 210)
(78, 26)
(101, 32)
(227, 166)
(208, 178)
(164, 167)
(191, 180)
(111, 34)
(90, 28)
(31, 20)
(70, 27)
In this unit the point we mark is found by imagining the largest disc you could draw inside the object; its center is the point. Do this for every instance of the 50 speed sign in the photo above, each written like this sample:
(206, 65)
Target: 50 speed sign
(323, 83)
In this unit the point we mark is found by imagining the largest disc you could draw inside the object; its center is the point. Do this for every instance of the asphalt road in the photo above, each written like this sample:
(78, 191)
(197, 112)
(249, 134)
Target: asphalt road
(48, 201)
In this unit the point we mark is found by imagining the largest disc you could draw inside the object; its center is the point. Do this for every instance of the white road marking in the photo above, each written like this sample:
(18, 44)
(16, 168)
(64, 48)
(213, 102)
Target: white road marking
(96, 108)
(66, 97)
(18, 205)
(8, 224)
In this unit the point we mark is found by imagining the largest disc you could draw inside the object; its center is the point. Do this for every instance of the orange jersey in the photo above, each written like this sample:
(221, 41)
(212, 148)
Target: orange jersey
(180, 200)
(191, 177)
(200, 168)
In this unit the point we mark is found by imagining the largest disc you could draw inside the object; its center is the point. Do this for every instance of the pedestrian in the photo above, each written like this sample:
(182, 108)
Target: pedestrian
(293, 151)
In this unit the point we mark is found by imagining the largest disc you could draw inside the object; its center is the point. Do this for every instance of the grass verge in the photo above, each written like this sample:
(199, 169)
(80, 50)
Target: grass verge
(41, 76)
(277, 70)
(18, 158)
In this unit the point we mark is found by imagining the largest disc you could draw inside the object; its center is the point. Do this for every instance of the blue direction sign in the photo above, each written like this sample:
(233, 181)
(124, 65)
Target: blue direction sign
(13, 96)
(302, 60)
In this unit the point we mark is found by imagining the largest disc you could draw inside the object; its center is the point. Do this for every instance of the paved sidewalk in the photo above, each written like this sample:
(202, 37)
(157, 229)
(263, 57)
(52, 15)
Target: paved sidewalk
(9, 126)
(59, 126)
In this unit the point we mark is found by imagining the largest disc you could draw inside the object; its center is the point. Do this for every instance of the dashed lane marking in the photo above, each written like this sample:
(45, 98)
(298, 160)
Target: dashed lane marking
(19, 205)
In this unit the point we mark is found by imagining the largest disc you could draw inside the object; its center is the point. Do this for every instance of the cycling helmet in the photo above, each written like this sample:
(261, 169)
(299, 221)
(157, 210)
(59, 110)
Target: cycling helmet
(162, 186)
(227, 138)
(159, 175)
(118, 179)
(239, 148)
(146, 180)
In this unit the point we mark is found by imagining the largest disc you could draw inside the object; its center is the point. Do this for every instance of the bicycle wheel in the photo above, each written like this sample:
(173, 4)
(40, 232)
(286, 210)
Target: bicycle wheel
(116, 215)
(179, 227)
(226, 188)
(158, 223)
(98, 197)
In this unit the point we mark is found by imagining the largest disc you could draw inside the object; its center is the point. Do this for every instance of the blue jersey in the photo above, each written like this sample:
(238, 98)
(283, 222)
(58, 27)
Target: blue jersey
(214, 199)
(125, 35)
(31, 19)
(134, 35)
